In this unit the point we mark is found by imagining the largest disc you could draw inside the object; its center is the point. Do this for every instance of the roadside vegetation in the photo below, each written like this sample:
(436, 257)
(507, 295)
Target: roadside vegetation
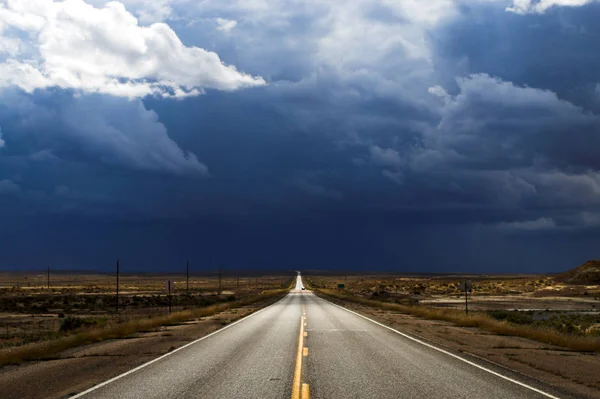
(571, 323)
(33, 309)
(562, 331)
(76, 331)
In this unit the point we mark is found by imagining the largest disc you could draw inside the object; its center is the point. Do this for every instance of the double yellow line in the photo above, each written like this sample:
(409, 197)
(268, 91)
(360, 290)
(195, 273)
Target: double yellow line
(300, 390)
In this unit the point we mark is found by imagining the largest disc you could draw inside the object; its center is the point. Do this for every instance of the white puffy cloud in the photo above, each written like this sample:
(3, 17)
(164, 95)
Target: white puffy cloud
(9, 187)
(385, 43)
(423, 12)
(387, 40)
(225, 25)
(438, 91)
(541, 6)
(149, 11)
(73, 45)
(9, 46)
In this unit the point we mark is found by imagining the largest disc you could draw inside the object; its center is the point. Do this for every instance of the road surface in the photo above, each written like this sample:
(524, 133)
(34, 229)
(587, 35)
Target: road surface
(304, 346)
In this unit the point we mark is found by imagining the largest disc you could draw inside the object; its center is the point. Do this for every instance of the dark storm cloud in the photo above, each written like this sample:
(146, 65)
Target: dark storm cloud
(111, 130)
(361, 151)
(552, 51)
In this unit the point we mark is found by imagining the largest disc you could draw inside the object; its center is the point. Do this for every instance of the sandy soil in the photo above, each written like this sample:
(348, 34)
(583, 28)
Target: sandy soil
(575, 373)
(521, 302)
(78, 369)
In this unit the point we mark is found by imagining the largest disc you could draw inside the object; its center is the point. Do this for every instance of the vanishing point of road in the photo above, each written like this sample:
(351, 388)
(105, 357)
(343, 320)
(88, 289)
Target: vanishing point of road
(303, 346)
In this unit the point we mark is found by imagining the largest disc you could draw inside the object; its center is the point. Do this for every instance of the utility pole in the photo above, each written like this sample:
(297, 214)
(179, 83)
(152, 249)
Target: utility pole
(220, 276)
(48, 276)
(169, 288)
(187, 276)
(468, 287)
(117, 286)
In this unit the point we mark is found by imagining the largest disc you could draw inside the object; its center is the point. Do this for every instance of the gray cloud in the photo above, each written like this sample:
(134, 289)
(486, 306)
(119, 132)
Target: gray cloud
(43, 155)
(385, 156)
(511, 147)
(494, 124)
(125, 132)
(112, 130)
(541, 6)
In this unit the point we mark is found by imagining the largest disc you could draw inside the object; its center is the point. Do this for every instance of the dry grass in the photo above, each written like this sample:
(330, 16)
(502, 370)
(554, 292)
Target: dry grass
(419, 288)
(478, 320)
(32, 313)
(49, 349)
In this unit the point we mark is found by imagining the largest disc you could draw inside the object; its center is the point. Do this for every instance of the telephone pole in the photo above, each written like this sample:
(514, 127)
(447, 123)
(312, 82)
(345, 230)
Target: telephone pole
(220, 276)
(169, 288)
(117, 286)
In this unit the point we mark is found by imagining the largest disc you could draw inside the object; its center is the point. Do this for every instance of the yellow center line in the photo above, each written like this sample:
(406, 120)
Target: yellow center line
(305, 391)
(296, 385)
(305, 351)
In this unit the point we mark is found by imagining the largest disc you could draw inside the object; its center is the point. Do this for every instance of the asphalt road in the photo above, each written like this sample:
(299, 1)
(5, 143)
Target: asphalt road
(303, 346)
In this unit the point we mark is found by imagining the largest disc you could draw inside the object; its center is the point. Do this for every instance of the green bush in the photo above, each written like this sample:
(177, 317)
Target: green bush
(563, 322)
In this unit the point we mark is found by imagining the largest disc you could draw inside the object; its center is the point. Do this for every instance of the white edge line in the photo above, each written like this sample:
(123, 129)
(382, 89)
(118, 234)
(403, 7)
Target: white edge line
(170, 353)
(447, 353)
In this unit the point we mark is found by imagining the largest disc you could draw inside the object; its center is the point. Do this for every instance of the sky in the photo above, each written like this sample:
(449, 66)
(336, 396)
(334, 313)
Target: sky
(371, 135)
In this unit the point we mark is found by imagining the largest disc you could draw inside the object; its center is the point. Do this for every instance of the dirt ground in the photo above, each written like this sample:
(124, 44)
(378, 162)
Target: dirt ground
(32, 312)
(576, 373)
(78, 369)
(511, 302)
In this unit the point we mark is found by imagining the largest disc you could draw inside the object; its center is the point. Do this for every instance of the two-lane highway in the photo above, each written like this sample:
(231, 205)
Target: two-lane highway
(304, 346)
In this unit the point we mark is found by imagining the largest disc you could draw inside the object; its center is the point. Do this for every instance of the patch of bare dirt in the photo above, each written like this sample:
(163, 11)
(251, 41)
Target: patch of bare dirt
(521, 302)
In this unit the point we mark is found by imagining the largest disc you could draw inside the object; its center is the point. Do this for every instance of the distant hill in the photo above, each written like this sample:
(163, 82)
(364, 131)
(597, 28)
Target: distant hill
(588, 273)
